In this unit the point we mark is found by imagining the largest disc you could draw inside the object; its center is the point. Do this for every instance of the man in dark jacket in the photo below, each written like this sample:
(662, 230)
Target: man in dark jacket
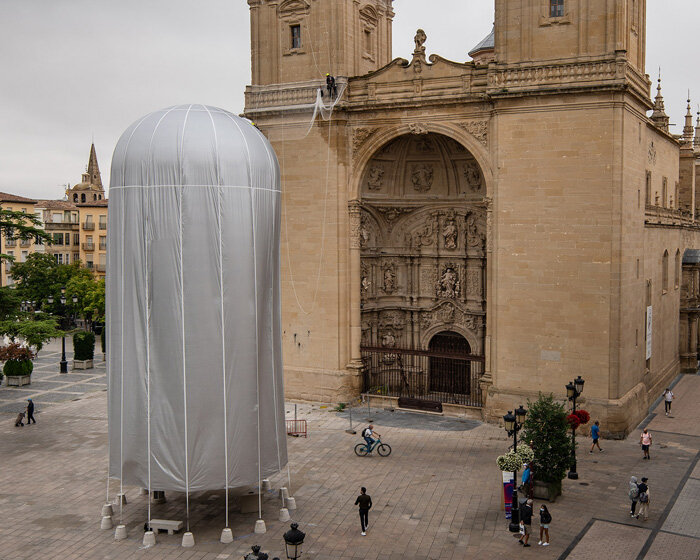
(365, 503)
(30, 412)
(526, 520)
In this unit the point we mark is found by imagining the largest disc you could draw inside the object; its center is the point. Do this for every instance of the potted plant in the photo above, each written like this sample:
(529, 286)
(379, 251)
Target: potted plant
(18, 364)
(83, 350)
(546, 429)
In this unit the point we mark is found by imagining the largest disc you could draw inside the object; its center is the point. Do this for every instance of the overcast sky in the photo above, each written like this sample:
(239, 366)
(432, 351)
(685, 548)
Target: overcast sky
(78, 70)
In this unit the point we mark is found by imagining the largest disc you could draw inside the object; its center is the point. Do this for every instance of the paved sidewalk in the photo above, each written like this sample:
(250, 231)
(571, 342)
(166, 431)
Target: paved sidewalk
(49, 386)
(438, 496)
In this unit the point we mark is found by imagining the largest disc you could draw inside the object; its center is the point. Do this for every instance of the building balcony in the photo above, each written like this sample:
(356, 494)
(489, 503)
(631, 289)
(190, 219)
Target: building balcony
(103, 246)
(88, 246)
(103, 226)
(62, 226)
(10, 243)
(25, 242)
(101, 267)
(88, 226)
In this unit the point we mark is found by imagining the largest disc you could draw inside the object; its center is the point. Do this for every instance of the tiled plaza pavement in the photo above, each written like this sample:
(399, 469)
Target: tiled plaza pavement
(438, 496)
(48, 385)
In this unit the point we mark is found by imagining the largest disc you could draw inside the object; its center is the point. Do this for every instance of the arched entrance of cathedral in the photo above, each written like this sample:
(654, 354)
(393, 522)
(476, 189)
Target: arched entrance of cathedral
(423, 272)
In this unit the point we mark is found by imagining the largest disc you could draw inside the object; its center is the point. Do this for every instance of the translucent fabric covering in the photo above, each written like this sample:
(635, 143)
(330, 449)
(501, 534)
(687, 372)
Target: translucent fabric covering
(193, 303)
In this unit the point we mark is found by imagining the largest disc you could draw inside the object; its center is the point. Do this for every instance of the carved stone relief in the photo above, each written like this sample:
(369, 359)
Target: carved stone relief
(355, 215)
(390, 283)
(417, 128)
(473, 282)
(475, 231)
(422, 177)
(360, 136)
(450, 232)
(472, 175)
(478, 129)
(447, 285)
(426, 235)
(374, 178)
(365, 282)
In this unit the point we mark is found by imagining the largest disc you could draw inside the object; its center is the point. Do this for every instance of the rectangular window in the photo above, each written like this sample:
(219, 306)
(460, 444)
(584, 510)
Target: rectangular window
(89, 265)
(76, 239)
(58, 239)
(296, 36)
(8, 263)
(23, 257)
(648, 188)
(38, 240)
(57, 218)
(59, 258)
(556, 8)
(664, 193)
(103, 243)
(76, 257)
(103, 222)
(368, 41)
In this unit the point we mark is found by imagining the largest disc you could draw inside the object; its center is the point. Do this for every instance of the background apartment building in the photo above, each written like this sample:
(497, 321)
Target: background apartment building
(17, 248)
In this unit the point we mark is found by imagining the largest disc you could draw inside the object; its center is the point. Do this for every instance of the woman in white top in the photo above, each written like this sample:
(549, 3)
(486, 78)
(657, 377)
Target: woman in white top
(668, 399)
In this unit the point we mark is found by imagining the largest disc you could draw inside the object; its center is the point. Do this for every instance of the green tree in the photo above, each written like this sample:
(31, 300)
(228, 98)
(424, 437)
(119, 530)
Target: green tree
(35, 332)
(9, 303)
(546, 430)
(90, 293)
(15, 224)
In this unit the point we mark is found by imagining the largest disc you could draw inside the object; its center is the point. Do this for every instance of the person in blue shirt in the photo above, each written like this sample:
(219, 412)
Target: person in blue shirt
(526, 480)
(595, 434)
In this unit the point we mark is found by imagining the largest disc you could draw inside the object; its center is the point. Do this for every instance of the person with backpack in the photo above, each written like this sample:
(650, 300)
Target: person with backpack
(368, 434)
(525, 522)
(643, 499)
(633, 495)
(645, 442)
(545, 520)
(668, 400)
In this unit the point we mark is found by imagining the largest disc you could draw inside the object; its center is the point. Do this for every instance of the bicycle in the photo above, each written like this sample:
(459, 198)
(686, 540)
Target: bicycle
(384, 449)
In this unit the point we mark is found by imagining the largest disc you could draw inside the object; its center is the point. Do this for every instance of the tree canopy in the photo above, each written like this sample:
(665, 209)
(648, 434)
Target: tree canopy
(15, 224)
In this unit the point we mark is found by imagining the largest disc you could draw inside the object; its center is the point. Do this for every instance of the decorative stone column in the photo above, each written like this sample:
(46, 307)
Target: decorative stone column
(486, 379)
(355, 364)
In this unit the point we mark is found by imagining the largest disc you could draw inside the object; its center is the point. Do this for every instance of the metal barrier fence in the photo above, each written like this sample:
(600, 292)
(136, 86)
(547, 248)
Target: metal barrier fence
(296, 428)
(446, 377)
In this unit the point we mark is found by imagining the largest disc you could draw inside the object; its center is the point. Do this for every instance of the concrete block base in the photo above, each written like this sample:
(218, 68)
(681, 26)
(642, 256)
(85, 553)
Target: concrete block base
(260, 527)
(291, 503)
(226, 536)
(120, 533)
(107, 510)
(106, 522)
(284, 493)
(149, 538)
(266, 485)
(120, 499)
(284, 514)
(188, 540)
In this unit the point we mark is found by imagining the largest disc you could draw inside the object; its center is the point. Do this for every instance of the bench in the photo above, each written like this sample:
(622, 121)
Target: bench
(169, 525)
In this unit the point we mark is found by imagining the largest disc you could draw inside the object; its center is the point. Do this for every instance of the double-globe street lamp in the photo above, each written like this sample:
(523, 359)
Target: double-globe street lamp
(64, 362)
(573, 391)
(513, 423)
(293, 539)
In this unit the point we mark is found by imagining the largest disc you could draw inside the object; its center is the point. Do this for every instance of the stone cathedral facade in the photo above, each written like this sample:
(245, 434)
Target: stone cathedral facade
(474, 233)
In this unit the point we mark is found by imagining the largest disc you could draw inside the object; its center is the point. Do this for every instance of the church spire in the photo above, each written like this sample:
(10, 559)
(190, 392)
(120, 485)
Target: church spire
(688, 128)
(659, 116)
(696, 141)
(93, 170)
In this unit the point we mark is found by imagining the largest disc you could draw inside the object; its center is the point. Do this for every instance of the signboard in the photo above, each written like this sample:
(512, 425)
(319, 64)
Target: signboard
(648, 332)
(508, 484)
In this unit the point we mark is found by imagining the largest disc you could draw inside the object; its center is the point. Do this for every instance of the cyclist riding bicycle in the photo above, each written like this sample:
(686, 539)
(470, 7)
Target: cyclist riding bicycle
(367, 434)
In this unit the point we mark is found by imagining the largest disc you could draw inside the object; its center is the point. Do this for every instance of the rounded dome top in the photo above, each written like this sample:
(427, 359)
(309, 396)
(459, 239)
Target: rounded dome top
(194, 145)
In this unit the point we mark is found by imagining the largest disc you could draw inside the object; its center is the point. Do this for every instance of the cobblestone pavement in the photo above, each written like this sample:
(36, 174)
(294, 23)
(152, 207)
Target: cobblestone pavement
(49, 386)
(437, 496)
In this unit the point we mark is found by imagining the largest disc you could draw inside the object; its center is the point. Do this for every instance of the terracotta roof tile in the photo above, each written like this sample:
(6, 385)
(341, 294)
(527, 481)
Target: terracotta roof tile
(7, 197)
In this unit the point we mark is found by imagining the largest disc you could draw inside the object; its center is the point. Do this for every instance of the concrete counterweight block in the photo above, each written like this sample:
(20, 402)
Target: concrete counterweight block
(226, 536)
(291, 503)
(284, 514)
(120, 499)
(106, 522)
(260, 527)
(107, 510)
(159, 497)
(143, 491)
(266, 485)
(149, 538)
(187, 540)
(120, 533)
(284, 493)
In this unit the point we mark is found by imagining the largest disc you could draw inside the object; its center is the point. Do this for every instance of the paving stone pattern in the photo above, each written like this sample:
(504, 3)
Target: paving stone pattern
(438, 496)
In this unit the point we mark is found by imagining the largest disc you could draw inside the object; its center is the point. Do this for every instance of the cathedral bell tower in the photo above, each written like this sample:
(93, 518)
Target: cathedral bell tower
(542, 30)
(300, 40)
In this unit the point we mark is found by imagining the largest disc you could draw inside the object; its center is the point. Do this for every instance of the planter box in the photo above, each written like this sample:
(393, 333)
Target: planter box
(547, 490)
(18, 380)
(83, 364)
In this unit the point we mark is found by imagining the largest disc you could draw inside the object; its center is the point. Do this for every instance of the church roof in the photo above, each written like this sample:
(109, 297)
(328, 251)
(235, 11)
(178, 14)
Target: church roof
(93, 204)
(487, 43)
(56, 205)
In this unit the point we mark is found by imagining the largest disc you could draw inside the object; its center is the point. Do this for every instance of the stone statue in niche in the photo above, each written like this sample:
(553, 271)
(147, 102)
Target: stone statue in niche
(388, 340)
(419, 40)
(374, 178)
(422, 177)
(475, 235)
(365, 284)
(449, 233)
(389, 280)
(364, 236)
(473, 176)
(448, 284)
(424, 236)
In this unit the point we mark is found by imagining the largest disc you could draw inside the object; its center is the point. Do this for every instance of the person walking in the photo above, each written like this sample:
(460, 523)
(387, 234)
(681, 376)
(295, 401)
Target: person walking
(595, 435)
(365, 503)
(30, 412)
(545, 520)
(668, 399)
(525, 522)
(643, 499)
(645, 440)
(633, 495)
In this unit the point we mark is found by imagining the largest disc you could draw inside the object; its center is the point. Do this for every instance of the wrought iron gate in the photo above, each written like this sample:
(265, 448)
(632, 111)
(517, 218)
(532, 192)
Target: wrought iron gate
(437, 376)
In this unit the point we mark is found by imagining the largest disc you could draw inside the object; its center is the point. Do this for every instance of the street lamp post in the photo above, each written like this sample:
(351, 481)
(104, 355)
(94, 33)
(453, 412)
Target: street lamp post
(513, 423)
(573, 391)
(64, 362)
(293, 539)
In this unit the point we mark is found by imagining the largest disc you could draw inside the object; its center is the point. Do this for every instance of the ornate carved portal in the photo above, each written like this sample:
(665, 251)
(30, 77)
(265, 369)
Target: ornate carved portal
(423, 248)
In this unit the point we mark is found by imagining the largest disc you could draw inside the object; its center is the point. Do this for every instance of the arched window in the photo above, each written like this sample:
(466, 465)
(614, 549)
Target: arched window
(556, 8)
(82, 197)
(678, 269)
(664, 273)
(94, 197)
(75, 197)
